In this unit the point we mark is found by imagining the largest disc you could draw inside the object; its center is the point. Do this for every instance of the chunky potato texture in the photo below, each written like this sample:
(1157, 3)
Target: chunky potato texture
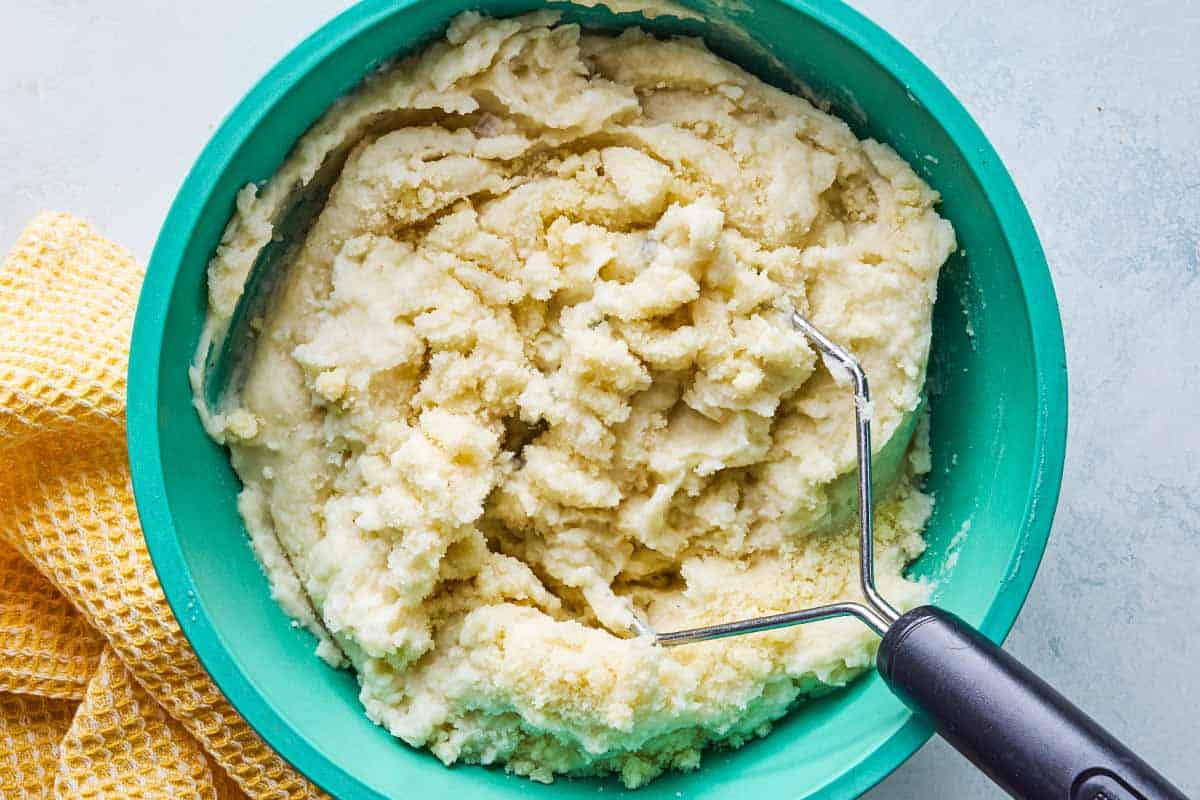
(531, 372)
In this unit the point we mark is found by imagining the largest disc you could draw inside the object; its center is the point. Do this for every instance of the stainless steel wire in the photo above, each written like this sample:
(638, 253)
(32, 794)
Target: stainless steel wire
(876, 612)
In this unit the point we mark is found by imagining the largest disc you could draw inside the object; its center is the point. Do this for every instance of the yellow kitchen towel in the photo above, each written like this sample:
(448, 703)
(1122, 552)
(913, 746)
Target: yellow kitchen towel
(100, 694)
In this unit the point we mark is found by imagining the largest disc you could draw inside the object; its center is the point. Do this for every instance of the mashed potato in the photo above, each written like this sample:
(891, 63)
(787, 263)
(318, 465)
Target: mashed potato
(531, 372)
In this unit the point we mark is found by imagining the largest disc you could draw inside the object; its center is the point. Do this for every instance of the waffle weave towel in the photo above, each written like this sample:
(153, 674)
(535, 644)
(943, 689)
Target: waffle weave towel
(100, 694)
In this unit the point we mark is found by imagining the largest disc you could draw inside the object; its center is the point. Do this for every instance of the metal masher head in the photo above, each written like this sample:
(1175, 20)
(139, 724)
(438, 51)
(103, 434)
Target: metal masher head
(1009, 722)
(875, 611)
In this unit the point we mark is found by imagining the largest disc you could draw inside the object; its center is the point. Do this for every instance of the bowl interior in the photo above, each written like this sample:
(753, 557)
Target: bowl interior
(997, 395)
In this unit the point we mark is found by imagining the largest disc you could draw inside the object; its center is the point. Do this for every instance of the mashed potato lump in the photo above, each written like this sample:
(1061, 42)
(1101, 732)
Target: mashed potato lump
(530, 372)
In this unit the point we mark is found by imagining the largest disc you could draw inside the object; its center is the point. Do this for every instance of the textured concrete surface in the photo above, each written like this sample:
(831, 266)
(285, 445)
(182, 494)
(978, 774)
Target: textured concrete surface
(1095, 109)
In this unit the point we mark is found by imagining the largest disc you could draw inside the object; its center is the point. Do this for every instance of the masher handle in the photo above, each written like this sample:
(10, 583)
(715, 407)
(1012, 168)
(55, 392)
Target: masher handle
(1010, 723)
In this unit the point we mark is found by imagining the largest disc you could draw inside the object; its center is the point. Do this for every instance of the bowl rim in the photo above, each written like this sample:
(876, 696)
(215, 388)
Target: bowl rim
(147, 472)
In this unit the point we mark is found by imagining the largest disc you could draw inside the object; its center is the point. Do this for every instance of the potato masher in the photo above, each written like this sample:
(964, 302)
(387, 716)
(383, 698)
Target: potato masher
(1028, 738)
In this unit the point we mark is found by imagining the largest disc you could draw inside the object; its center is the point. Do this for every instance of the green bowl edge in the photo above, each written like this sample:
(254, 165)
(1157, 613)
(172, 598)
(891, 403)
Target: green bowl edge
(143, 378)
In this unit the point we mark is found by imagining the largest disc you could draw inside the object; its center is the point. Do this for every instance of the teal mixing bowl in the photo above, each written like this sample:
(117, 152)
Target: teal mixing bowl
(997, 394)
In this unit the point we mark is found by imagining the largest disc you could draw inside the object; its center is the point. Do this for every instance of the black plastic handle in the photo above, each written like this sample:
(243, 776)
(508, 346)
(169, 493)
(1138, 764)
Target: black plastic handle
(1010, 723)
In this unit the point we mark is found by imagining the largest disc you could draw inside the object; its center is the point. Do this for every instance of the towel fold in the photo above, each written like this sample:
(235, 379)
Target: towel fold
(100, 693)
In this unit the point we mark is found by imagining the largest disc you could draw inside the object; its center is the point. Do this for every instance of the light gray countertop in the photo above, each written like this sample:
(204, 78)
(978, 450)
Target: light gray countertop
(1094, 107)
